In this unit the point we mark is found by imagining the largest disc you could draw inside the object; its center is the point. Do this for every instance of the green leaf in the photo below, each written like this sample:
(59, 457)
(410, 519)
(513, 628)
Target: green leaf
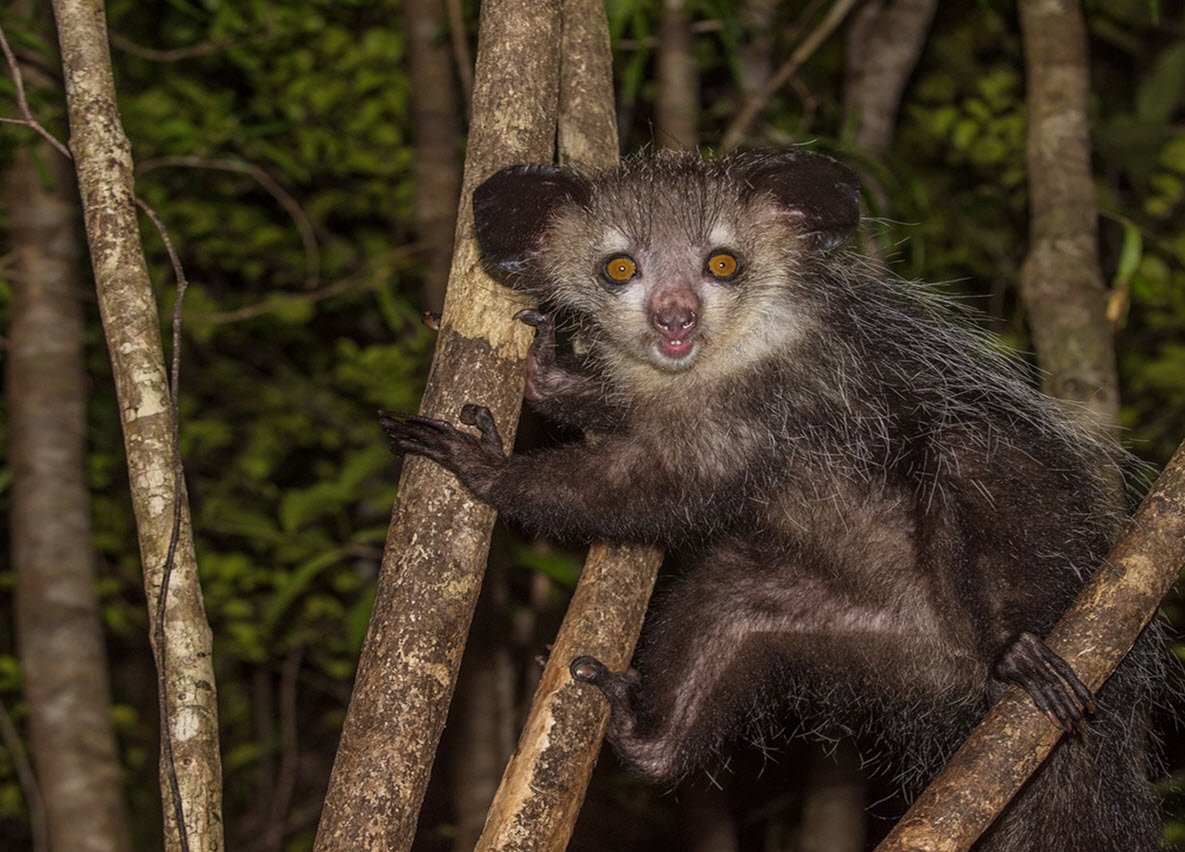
(292, 585)
(556, 564)
(1130, 254)
(1163, 89)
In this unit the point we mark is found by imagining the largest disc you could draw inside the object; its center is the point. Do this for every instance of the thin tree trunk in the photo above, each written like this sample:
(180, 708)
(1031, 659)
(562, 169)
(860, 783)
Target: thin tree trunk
(435, 123)
(587, 131)
(884, 42)
(1061, 281)
(542, 789)
(482, 721)
(103, 160)
(544, 785)
(57, 611)
(757, 56)
(677, 104)
(439, 537)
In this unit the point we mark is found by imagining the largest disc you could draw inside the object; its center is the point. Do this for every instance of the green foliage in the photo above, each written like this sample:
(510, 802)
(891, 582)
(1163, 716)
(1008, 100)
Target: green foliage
(291, 347)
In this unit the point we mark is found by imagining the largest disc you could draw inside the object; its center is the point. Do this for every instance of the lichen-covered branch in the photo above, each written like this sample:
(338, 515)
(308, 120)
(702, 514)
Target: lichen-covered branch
(543, 787)
(587, 131)
(439, 536)
(102, 157)
(1014, 737)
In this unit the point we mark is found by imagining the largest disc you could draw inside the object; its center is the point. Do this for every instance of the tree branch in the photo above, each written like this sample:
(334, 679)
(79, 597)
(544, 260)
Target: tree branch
(539, 798)
(22, 101)
(748, 113)
(1093, 637)
(38, 822)
(304, 226)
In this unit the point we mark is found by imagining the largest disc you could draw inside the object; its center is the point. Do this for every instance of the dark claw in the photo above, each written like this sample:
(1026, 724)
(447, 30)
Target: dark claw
(476, 462)
(1081, 691)
(410, 434)
(532, 317)
(1050, 681)
(589, 670)
(431, 319)
(616, 687)
(480, 416)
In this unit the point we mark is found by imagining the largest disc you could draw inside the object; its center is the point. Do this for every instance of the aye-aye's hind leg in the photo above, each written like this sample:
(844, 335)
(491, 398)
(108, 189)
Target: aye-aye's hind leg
(659, 731)
(709, 651)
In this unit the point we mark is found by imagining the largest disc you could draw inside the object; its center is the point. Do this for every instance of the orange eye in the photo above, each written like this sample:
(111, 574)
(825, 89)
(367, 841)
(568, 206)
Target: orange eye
(620, 269)
(723, 265)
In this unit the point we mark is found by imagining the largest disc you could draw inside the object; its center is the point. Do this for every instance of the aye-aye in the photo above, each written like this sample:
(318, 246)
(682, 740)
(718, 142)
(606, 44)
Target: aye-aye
(881, 515)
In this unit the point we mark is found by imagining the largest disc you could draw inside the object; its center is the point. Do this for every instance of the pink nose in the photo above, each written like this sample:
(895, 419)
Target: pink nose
(674, 313)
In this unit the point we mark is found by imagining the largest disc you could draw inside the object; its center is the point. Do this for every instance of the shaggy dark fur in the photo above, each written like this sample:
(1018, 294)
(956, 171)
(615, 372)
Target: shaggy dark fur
(883, 515)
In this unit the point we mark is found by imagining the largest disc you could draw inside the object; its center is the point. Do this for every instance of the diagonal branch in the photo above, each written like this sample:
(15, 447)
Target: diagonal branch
(739, 127)
(439, 537)
(304, 226)
(22, 100)
(1097, 632)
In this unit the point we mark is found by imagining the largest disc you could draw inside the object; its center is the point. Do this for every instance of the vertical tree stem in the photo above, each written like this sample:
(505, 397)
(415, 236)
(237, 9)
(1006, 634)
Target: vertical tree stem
(439, 536)
(1061, 282)
(102, 157)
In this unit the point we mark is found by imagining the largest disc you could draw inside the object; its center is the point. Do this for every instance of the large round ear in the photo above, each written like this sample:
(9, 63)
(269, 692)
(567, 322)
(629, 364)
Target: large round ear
(512, 208)
(822, 193)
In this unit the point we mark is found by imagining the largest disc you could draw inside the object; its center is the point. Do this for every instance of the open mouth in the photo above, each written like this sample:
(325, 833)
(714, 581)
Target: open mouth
(676, 348)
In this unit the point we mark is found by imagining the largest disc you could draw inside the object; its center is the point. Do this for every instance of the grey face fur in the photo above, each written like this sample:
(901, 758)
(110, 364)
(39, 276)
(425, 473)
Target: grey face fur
(668, 216)
(670, 226)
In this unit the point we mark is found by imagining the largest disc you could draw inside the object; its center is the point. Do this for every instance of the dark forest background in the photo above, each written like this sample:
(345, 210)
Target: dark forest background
(306, 158)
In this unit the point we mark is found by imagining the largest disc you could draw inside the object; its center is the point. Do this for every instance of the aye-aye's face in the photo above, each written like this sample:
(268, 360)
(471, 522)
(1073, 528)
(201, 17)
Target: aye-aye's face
(677, 272)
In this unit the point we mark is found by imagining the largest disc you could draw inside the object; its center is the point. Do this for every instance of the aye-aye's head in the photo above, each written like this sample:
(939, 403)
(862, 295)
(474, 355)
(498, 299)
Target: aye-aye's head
(673, 260)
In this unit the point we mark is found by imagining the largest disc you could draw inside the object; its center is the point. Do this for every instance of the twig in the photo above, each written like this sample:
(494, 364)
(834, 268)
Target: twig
(461, 55)
(22, 101)
(278, 300)
(289, 750)
(711, 25)
(38, 822)
(166, 737)
(304, 225)
(754, 105)
(175, 54)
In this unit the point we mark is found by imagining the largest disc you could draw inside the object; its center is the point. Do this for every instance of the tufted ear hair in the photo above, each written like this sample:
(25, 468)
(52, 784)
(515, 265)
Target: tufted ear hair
(512, 208)
(822, 193)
